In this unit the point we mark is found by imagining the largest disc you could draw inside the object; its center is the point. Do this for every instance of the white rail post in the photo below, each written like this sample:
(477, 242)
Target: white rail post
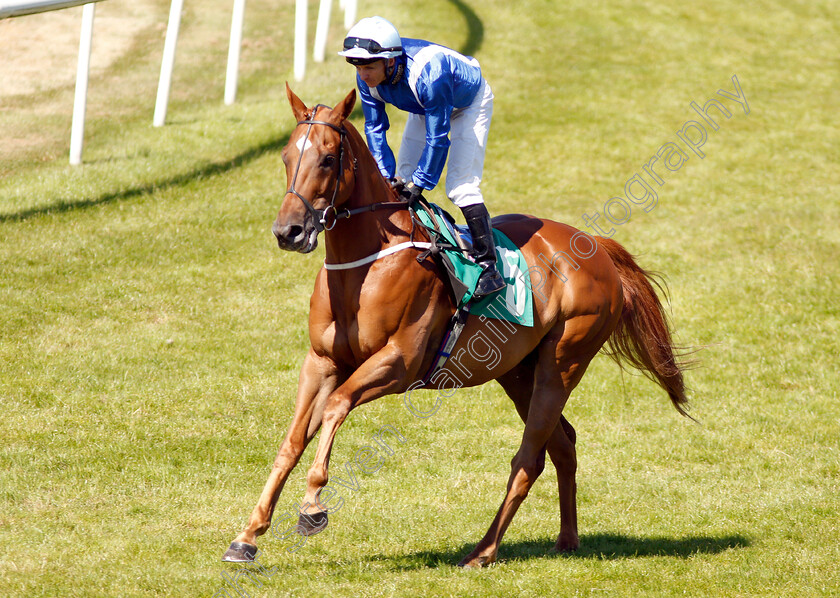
(300, 39)
(350, 13)
(322, 30)
(19, 8)
(233, 51)
(168, 62)
(77, 132)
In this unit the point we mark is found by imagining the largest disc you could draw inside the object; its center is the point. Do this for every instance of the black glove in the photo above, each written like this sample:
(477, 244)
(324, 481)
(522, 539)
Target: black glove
(397, 183)
(411, 192)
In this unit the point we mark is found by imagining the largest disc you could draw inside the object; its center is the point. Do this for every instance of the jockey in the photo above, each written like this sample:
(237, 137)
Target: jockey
(445, 96)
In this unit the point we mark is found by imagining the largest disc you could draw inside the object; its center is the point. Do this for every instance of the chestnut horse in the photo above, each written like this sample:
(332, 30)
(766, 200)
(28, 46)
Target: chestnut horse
(375, 328)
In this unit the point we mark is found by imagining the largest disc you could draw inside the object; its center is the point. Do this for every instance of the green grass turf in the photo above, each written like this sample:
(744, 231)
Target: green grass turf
(151, 332)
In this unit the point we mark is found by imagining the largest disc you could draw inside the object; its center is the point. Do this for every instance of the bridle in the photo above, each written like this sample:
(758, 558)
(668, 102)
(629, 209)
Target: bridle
(327, 218)
(322, 217)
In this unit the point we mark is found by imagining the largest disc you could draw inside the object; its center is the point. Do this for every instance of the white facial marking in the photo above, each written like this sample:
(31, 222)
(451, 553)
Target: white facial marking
(303, 144)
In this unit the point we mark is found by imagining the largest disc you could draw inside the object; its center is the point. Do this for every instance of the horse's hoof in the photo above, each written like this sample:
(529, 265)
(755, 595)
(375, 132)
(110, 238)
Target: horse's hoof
(567, 546)
(240, 552)
(310, 524)
(475, 562)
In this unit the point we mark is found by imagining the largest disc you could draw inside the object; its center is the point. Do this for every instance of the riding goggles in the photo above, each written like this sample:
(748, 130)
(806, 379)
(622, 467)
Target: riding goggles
(371, 45)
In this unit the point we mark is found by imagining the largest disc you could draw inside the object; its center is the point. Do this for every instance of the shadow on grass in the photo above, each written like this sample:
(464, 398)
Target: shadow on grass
(475, 38)
(204, 171)
(595, 546)
(475, 29)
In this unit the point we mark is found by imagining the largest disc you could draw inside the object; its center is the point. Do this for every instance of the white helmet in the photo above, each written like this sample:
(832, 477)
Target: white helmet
(372, 38)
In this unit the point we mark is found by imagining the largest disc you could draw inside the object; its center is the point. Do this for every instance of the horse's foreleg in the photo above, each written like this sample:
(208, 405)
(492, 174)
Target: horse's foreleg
(318, 379)
(382, 374)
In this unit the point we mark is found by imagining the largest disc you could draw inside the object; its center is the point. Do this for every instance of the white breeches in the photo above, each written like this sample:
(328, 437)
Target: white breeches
(468, 141)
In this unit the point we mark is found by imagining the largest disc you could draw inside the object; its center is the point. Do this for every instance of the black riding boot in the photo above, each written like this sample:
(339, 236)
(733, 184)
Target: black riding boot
(484, 250)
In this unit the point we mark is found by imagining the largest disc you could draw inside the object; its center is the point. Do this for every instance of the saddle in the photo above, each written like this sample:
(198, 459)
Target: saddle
(451, 247)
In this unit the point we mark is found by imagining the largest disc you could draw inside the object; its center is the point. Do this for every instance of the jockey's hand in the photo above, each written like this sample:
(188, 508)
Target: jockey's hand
(397, 183)
(411, 192)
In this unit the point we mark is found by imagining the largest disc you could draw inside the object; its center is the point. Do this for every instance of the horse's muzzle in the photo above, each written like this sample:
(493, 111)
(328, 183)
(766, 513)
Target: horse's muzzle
(295, 237)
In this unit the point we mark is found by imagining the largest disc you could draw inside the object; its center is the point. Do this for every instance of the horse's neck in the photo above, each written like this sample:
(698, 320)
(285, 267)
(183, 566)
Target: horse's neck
(366, 233)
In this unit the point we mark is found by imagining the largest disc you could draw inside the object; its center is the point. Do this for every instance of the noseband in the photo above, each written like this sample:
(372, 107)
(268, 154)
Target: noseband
(324, 219)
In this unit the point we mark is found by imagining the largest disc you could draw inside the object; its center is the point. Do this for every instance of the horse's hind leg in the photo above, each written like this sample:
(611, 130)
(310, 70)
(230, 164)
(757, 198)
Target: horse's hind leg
(519, 386)
(562, 358)
(561, 448)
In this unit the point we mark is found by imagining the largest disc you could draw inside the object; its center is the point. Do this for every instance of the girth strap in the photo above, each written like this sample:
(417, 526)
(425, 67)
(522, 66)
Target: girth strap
(456, 327)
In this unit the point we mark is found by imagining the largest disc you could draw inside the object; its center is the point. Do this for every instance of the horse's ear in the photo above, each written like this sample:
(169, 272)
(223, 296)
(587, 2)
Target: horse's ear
(299, 109)
(344, 109)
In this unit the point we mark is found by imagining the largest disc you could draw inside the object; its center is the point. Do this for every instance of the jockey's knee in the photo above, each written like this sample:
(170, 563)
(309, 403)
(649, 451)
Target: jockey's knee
(466, 195)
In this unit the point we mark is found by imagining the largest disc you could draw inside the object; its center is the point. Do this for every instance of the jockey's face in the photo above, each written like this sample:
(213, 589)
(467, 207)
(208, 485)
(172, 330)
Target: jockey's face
(374, 73)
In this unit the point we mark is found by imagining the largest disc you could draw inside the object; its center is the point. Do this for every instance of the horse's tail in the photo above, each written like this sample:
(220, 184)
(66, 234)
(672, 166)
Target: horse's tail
(642, 337)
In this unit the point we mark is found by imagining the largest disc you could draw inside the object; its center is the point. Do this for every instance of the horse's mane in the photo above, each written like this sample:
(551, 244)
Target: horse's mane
(365, 160)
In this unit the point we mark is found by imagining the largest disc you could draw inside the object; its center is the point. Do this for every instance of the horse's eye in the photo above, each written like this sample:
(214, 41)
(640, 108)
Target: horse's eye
(328, 161)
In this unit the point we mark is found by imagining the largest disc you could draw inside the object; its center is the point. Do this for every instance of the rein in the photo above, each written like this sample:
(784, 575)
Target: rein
(327, 218)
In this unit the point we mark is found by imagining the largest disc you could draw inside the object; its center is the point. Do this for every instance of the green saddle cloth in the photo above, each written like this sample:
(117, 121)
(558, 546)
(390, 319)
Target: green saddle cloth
(514, 303)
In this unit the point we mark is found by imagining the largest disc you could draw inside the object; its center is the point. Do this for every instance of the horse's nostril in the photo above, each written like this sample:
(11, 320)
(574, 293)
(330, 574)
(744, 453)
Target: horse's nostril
(289, 232)
(294, 232)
